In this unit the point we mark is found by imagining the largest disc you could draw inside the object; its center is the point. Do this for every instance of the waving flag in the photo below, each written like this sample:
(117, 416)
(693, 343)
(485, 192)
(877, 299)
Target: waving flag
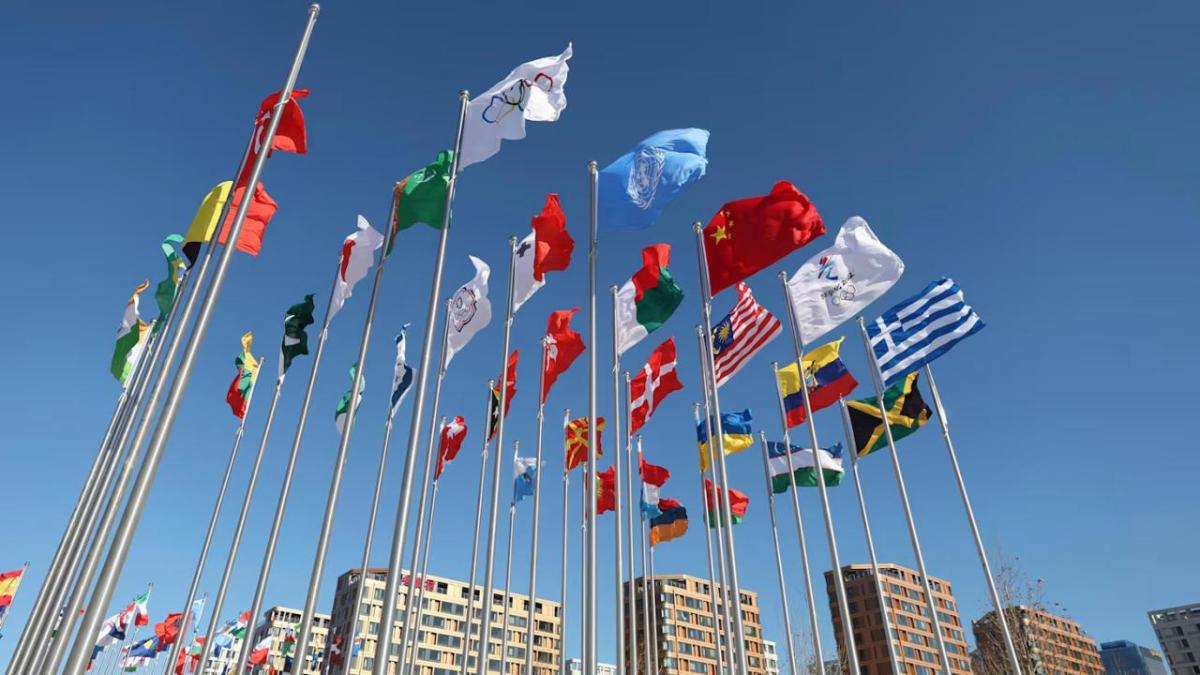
(168, 630)
(494, 402)
(402, 377)
(238, 396)
(671, 523)
(470, 310)
(167, 289)
(715, 502)
(421, 197)
(533, 91)
(111, 632)
(524, 476)
(653, 478)
(606, 490)
(563, 346)
(261, 651)
(745, 330)
(636, 187)
(648, 299)
(291, 135)
(295, 341)
(262, 208)
(825, 376)
(131, 337)
(138, 611)
(450, 442)
(343, 406)
(9, 583)
(803, 471)
(921, 329)
(735, 435)
(577, 441)
(546, 249)
(906, 412)
(651, 385)
(358, 252)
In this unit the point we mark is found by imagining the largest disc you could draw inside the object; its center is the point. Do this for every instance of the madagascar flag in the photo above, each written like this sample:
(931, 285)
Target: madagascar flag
(825, 376)
(749, 234)
(671, 524)
(648, 299)
(907, 412)
(238, 396)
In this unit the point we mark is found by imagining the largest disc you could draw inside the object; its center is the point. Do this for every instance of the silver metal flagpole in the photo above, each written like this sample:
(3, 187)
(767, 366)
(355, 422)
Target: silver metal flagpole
(884, 610)
(710, 370)
(584, 619)
(666, 643)
(630, 540)
(651, 601)
(650, 637)
(566, 507)
(512, 519)
(339, 463)
(391, 591)
(618, 488)
(712, 574)
(877, 379)
(1013, 661)
(425, 565)
(804, 567)
(783, 600)
(430, 461)
(537, 509)
(490, 566)
(123, 537)
(589, 564)
(186, 623)
(839, 582)
(483, 457)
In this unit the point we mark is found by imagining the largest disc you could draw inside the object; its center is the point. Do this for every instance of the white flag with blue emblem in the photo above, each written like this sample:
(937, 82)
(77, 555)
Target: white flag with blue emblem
(470, 310)
(921, 328)
(403, 377)
(532, 91)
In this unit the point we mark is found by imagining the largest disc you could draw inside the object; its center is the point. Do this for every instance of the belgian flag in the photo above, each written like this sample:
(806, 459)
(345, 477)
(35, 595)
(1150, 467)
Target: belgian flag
(907, 412)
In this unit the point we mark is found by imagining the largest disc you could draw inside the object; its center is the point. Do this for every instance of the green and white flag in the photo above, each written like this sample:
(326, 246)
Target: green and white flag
(802, 463)
(648, 299)
(131, 337)
(295, 340)
(343, 406)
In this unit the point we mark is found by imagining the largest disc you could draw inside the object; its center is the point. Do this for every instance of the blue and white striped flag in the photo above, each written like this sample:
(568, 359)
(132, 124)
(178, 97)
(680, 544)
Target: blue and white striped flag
(921, 328)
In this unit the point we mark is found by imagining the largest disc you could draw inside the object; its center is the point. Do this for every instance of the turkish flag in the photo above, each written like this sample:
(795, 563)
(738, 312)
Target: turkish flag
(290, 136)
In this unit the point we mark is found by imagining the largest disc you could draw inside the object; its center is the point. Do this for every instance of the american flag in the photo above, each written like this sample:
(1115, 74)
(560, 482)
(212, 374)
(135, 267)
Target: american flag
(741, 334)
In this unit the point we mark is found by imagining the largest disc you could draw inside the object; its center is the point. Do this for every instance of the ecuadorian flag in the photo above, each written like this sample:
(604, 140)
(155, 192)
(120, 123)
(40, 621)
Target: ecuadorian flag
(825, 376)
(736, 434)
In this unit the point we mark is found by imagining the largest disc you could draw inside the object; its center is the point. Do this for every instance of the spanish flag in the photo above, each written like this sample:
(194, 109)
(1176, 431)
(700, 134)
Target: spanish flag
(9, 582)
(907, 412)
(736, 434)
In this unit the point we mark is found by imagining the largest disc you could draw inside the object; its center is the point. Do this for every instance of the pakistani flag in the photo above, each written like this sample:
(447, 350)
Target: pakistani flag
(343, 406)
(648, 299)
(131, 336)
(168, 289)
(802, 466)
(403, 377)
(295, 340)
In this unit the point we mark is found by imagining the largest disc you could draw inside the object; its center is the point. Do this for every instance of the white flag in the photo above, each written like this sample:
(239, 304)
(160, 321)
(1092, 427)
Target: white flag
(842, 280)
(470, 310)
(532, 91)
(524, 285)
(358, 252)
(403, 376)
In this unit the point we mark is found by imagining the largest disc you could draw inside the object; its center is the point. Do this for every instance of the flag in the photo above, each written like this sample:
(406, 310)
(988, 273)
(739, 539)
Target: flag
(168, 630)
(494, 402)
(450, 442)
(233, 630)
(167, 289)
(111, 632)
(9, 582)
(358, 252)
(651, 385)
(205, 220)
(421, 197)
(563, 346)
(402, 377)
(746, 329)
(290, 135)
(470, 310)
(533, 91)
(907, 412)
(262, 209)
(606, 490)
(546, 249)
(138, 611)
(140, 654)
(289, 643)
(747, 235)
(238, 396)
(577, 441)
(921, 328)
(295, 341)
(261, 651)
(802, 464)
(842, 280)
(131, 336)
(735, 435)
(194, 653)
(343, 406)
(335, 650)
(653, 478)
(826, 377)
(648, 299)
(715, 502)
(636, 187)
(670, 524)
(524, 475)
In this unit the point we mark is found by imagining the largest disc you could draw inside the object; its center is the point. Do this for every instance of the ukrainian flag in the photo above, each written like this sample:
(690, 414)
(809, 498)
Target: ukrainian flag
(736, 434)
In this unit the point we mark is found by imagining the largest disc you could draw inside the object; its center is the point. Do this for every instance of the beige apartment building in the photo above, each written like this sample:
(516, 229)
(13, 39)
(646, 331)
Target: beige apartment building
(444, 625)
(1046, 642)
(278, 622)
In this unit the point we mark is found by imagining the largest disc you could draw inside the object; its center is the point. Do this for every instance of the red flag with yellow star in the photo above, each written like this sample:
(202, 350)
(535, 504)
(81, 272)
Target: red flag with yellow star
(749, 234)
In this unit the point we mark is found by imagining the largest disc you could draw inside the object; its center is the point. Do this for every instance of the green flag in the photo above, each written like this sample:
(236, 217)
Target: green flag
(421, 197)
(343, 406)
(168, 289)
(295, 340)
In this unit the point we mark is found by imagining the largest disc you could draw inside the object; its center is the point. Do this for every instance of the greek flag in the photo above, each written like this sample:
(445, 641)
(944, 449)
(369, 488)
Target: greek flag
(921, 328)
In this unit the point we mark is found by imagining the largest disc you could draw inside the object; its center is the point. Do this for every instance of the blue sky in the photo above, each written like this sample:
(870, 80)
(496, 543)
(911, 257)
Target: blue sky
(1042, 155)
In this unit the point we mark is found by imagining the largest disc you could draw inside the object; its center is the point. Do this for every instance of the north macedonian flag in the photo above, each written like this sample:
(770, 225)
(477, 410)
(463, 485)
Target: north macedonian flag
(907, 412)
(577, 441)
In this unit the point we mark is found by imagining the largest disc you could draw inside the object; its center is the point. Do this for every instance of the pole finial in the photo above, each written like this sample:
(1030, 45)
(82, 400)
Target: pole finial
(697, 226)
(782, 275)
(464, 94)
(512, 241)
(592, 166)
(314, 8)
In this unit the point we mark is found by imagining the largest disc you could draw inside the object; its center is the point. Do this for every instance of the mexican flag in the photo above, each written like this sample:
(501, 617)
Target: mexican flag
(648, 299)
(802, 463)
(131, 336)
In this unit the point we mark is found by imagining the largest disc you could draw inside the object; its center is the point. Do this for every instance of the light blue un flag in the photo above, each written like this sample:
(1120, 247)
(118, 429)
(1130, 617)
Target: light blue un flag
(639, 184)
(921, 328)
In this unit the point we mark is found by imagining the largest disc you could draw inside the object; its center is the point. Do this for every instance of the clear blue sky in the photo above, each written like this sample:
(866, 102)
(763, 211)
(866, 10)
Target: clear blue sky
(1043, 156)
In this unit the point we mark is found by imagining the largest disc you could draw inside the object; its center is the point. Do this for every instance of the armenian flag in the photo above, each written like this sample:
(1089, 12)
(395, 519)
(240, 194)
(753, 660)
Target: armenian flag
(670, 524)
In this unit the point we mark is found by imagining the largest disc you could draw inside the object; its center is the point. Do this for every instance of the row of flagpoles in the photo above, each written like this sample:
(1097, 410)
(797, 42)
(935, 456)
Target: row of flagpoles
(144, 368)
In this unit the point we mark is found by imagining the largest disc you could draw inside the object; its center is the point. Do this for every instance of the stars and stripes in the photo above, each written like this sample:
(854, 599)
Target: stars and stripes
(741, 334)
(921, 329)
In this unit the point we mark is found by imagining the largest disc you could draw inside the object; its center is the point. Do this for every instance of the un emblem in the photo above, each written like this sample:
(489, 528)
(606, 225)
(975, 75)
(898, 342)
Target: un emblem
(644, 176)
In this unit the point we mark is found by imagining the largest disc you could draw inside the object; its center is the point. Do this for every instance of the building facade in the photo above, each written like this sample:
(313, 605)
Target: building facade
(770, 657)
(443, 627)
(1122, 657)
(686, 639)
(1045, 642)
(576, 666)
(279, 622)
(1178, 631)
(911, 629)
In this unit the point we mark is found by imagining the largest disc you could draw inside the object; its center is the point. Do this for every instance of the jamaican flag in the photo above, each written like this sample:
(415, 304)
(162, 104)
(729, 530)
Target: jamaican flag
(907, 412)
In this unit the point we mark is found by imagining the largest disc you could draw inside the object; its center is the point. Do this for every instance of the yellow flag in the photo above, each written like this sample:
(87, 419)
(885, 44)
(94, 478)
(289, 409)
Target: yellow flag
(205, 222)
(789, 376)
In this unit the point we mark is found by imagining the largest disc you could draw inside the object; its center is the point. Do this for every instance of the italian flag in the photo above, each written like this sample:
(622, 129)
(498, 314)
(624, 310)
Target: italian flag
(804, 472)
(130, 337)
(648, 299)
(261, 651)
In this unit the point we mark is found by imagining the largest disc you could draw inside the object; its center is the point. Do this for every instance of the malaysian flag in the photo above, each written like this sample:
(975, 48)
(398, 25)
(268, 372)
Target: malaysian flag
(921, 328)
(746, 329)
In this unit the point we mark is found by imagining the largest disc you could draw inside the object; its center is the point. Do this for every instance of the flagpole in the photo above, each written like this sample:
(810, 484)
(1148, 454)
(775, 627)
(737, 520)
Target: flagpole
(650, 661)
(537, 509)
(808, 586)
(391, 590)
(584, 619)
(839, 582)
(489, 567)
(862, 508)
(787, 612)
(235, 543)
(618, 507)
(997, 604)
(710, 370)
(425, 564)
(727, 633)
(429, 464)
(512, 519)
(656, 619)
(566, 496)
(123, 538)
(483, 457)
(631, 590)
(877, 379)
(712, 575)
(589, 603)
